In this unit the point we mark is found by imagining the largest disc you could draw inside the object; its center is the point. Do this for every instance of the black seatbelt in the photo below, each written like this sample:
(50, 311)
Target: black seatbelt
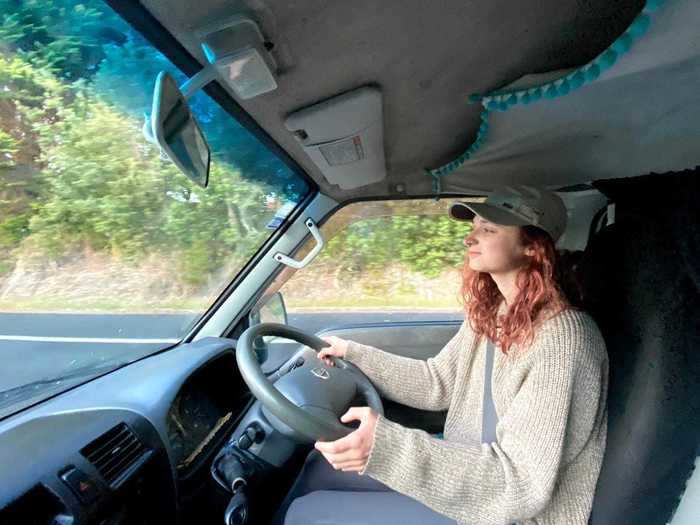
(489, 418)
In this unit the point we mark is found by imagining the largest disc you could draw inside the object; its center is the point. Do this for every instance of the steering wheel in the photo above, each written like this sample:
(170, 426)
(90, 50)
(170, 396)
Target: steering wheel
(309, 399)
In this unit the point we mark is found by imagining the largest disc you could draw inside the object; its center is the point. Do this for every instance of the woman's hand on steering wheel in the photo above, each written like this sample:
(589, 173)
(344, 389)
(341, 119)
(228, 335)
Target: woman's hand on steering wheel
(328, 390)
(338, 347)
(351, 452)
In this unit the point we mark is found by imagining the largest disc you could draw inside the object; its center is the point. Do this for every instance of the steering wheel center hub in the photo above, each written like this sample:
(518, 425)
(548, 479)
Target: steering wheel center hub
(304, 404)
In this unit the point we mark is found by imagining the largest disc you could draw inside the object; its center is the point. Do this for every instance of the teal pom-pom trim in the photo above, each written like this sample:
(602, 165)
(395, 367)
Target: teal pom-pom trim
(591, 72)
(653, 5)
(576, 80)
(564, 87)
(622, 44)
(607, 59)
(585, 74)
(478, 141)
(640, 25)
(502, 101)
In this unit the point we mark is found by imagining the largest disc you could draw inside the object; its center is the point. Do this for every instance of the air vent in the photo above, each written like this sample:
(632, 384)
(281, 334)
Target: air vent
(114, 453)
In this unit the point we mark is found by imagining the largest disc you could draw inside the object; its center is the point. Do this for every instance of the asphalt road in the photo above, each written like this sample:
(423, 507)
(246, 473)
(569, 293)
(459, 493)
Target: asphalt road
(39, 346)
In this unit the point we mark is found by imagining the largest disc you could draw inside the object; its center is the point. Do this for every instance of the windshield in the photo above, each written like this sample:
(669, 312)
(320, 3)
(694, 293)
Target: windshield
(108, 252)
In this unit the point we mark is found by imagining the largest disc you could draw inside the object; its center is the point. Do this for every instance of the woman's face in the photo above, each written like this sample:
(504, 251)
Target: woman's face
(495, 249)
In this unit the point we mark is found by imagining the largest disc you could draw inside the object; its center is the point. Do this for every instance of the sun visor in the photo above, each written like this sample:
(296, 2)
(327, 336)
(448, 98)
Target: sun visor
(344, 136)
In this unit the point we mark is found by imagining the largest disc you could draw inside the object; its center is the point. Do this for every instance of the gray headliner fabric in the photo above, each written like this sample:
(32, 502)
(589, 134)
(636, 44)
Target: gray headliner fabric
(427, 57)
(641, 116)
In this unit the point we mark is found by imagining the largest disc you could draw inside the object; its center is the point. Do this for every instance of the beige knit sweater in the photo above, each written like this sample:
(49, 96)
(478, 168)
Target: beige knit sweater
(552, 422)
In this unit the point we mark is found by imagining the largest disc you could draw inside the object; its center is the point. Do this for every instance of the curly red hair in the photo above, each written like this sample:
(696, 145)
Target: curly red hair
(540, 293)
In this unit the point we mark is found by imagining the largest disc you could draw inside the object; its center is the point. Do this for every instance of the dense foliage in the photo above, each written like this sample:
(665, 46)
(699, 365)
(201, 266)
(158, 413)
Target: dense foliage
(76, 173)
(426, 244)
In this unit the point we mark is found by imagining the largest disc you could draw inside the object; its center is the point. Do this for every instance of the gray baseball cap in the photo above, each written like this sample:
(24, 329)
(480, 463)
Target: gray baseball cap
(517, 206)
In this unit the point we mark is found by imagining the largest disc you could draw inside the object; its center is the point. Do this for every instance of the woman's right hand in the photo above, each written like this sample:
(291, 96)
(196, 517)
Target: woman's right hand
(338, 347)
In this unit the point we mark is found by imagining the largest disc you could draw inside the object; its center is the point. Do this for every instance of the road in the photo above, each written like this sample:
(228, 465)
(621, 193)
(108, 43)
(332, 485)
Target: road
(38, 346)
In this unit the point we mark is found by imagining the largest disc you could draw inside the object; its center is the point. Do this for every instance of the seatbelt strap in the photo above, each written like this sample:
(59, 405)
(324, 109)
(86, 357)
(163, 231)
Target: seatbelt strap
(489, 418)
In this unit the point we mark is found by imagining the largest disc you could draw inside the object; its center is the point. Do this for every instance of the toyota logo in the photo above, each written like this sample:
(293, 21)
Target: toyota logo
(320, 372)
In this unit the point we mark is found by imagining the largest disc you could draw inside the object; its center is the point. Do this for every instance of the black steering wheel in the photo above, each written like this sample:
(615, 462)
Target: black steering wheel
(309, 399)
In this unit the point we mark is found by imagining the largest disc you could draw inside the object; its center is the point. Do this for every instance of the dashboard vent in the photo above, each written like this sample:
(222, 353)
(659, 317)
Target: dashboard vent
(114, 453)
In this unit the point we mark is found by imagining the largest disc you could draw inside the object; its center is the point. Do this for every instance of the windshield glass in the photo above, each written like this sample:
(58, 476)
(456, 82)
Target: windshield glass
(108, 252)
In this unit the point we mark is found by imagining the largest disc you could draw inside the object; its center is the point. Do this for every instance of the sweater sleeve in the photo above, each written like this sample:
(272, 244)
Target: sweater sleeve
(498, 483)
(424, 384)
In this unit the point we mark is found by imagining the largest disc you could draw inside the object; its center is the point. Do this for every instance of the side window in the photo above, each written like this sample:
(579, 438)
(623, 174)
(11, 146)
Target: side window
(385, 261)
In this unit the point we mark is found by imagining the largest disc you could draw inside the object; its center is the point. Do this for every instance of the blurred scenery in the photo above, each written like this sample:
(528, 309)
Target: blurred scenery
(108, 253)
(404, 255)
(92, 219)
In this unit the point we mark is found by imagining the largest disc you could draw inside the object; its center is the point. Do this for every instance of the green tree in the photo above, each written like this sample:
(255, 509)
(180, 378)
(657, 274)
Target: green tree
(28, 96)
(102, 186)
(75, 170)
(63, 36)
(425, 244)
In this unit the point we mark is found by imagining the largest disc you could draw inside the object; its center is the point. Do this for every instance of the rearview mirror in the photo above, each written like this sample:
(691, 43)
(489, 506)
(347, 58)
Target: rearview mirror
(176, 131)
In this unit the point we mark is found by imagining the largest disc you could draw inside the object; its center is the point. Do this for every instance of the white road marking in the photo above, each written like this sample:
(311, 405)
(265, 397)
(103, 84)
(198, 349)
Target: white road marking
(36, 339)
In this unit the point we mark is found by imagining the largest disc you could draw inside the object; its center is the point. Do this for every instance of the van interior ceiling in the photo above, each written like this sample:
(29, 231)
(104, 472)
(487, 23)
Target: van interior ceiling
(425, 61)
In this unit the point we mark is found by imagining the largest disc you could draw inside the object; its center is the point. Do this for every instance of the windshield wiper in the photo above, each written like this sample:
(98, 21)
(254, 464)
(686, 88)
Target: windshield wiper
(13, 395)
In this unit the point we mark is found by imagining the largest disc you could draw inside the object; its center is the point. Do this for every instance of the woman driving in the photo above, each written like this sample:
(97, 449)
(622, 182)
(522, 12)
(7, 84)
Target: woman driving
(524, 382)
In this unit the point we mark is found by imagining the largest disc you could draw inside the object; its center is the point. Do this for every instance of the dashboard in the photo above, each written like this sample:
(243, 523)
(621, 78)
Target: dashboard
(96, 453)
(204, 408)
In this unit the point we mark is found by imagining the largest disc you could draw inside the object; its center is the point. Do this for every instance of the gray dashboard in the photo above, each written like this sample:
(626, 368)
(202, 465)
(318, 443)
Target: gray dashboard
(41, 445)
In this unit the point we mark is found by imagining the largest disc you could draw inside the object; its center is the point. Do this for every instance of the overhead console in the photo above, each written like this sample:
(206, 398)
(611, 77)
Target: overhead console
(344, 136)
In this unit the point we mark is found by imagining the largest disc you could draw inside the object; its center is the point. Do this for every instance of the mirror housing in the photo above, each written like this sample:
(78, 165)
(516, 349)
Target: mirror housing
(176, 131)
(269, 310)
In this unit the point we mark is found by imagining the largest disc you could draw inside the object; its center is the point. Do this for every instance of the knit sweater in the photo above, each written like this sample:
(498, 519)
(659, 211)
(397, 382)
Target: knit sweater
(552, 422)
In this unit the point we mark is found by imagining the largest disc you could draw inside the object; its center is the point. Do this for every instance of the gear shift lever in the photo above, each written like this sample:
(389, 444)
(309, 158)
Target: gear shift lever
(232, 473)
(237, 510)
